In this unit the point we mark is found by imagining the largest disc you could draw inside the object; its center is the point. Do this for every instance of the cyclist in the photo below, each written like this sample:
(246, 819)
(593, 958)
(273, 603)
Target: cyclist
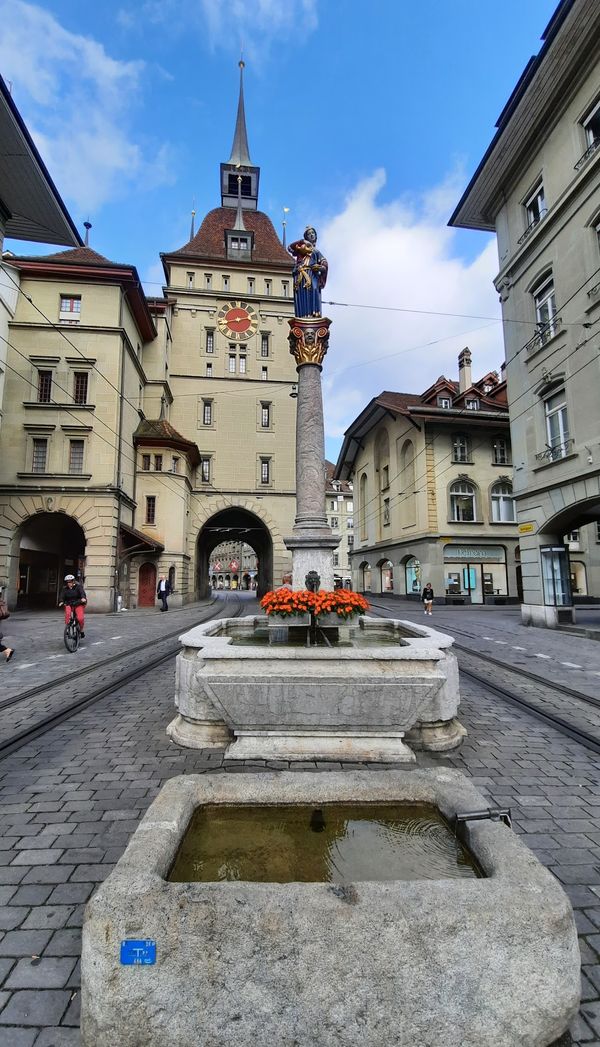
(73, 595)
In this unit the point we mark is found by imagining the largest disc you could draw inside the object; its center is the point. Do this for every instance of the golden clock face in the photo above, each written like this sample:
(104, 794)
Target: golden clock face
(237, 321)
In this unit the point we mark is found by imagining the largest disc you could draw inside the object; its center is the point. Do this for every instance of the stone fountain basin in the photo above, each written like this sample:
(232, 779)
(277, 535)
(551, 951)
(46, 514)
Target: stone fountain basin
(297, 703)
(490, 962)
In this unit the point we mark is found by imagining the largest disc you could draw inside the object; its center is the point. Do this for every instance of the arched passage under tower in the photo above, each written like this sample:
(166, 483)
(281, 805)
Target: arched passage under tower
(235, 524)
(50, 545)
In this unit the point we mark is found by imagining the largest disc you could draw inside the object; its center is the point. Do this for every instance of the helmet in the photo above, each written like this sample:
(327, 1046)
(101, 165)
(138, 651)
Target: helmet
(69, 578)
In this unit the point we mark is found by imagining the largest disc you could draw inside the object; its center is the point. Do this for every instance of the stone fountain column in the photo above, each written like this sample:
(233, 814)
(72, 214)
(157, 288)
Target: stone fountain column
(312, 542)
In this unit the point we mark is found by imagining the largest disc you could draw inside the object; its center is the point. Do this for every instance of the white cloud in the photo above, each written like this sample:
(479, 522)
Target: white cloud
(402, 254)
(77, 101)
(251, 25)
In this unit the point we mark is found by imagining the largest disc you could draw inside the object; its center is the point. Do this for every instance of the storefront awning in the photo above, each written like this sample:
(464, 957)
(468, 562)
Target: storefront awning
(132, 540)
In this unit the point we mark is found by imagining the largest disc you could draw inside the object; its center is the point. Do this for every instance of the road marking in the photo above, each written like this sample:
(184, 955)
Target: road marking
(50, 656)
(25, 665)
(97, 643)
(501, 641)
(487, 637)
(515, 648)
(572, 665)
(542, 656)
(116, 637)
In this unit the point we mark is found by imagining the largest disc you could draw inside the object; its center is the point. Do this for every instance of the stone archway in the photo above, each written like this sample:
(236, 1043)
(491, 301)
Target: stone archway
(50, 545)
(244, 525)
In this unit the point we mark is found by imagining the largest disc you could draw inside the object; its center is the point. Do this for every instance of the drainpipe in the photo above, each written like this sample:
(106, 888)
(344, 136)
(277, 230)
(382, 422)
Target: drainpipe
(119, 455)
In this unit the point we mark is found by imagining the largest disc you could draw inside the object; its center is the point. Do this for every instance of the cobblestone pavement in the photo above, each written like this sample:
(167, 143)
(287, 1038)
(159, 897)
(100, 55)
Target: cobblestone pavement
(70, 801)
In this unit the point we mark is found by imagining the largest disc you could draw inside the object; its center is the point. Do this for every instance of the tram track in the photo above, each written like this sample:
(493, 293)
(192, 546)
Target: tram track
(14, 736)
(573, 713)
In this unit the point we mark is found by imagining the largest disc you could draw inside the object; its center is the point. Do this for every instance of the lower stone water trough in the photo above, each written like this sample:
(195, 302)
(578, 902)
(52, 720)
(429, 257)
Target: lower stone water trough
(486, 959)
(383, 684)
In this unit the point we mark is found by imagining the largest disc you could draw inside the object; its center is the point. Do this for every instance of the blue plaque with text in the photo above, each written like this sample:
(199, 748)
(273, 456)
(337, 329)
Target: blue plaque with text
(138, 952)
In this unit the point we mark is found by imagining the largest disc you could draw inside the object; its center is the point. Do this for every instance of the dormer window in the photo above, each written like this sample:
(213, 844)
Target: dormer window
(487, 388)
(444, 401)
(239, 245)
(472, 405)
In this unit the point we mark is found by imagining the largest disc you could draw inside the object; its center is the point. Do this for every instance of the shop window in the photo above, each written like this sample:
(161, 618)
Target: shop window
(503, 503)
(386, 570)
(412, 572)
(462, 502)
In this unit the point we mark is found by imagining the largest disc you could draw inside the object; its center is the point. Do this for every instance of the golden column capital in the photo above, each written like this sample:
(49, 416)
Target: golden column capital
(309, 339)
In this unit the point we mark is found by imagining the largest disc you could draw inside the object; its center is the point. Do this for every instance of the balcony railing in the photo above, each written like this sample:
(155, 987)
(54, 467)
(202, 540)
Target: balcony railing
(591, 149)
(543, 334)
(532, 225)
(553, 454)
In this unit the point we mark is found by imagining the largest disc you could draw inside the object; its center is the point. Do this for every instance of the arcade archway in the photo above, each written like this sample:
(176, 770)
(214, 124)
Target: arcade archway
(239, 524)
(50, 546)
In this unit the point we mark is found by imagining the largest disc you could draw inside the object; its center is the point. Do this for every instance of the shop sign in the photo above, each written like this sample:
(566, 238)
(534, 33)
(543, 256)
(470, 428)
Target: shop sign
(526, 528)
(233, 565)
(474, 553)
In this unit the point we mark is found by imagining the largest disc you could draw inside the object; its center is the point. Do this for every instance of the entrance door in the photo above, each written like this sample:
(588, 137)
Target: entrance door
(472, 582)
(147, 585)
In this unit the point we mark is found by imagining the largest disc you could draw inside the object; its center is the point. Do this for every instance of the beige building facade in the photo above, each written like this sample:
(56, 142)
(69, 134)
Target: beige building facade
(141, 433)
(433, 499)
(339, 505)
(538, 188)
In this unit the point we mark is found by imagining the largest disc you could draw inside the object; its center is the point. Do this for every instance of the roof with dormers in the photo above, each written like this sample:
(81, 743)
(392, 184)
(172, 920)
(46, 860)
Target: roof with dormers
(154, 432)
(209, 241)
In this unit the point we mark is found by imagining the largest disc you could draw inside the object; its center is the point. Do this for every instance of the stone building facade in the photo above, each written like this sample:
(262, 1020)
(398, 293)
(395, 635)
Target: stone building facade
(339, 497)
(141, 432)
(538, 188)
(433, 499)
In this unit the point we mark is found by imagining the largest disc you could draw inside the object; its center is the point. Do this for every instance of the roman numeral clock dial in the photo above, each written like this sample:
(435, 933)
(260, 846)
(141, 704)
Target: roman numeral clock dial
(237, 321)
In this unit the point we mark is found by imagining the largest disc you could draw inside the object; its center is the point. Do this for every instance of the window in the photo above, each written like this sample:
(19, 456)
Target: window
(265, 416)
(80, 387)
(472, 405)
(350, 542)
(545, 308)
(598, 531)
(210, 341)
(503, 504)
(501, 451)
(243, 181)
(242, 365)
(158, 463)
(335, 522)
(44, 387)
(174, 464)
(386, 512)
(349, 507)
(70, 309)
(208, 281)
(150, 508)
(362, 506)
(349, 523)
(207, 412)
(75, 456)
(332, 504)
(146, 463)
(444, 401)
(535, 206)
(205, 470)
(251, 285)
(40, 454)
(385, 477)
(265, 470)
(231, 363)
(461, 450)
(209, 372)
(462, 501)
(264, 345)
(190, 280)
(264, 374)
(268, 287)
(225, 283)
(572, 536)
(591, 126)
(557, 425)
(285, 288)
(336, 560)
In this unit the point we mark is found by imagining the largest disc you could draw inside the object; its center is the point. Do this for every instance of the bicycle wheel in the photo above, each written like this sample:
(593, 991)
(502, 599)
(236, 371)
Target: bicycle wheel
(71, 637)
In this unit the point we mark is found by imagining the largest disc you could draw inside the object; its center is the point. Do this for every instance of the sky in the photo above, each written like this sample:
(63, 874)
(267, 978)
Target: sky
(367, 121)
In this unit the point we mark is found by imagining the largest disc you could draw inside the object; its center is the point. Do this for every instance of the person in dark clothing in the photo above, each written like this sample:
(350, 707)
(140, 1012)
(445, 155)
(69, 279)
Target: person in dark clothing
(163, 591)
(427, 598)
(6, 651)
(73, 595)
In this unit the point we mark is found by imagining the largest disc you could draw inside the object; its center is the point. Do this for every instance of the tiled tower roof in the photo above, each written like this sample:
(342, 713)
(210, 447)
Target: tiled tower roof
(209, 241)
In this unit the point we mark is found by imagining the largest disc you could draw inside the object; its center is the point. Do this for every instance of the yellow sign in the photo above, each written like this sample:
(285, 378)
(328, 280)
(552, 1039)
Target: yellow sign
(526, 528)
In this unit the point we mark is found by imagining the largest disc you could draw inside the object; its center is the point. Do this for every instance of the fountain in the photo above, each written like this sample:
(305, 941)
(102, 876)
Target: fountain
(321, 695)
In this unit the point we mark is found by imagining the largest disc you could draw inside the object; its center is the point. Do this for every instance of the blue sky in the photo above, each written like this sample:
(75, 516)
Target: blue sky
(367, 120)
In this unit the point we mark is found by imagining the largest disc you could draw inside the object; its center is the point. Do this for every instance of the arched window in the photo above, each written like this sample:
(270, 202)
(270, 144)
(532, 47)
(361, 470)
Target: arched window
(461, 448)
(412, 571)
(407, 467)
(503, 503)
(172, 578)
(365, 576)
(386, 569)
(362, 506)
(462, 501)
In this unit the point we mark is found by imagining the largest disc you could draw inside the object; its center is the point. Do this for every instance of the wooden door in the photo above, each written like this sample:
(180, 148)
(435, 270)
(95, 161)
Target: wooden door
(147, 585)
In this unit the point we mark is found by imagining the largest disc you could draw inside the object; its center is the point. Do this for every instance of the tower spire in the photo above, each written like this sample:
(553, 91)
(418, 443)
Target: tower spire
(240, 154)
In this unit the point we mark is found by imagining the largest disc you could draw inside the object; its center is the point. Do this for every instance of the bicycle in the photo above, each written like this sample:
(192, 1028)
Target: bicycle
(72, 634)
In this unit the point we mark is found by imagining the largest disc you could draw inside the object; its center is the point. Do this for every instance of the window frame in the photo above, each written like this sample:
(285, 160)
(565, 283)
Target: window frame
(146, 462)
(265, 414)
(535, 205)
(544, 302)
(501, 493)
(209, 344)
(70, 469)
(77, 377)
(150, 516)
(458, 440)
(44, 375)
(497, 458)
(265, 471)
(207, 412)
(36, 443)
(561, 413)
(454, 494)
(205, 467)
(71, 314)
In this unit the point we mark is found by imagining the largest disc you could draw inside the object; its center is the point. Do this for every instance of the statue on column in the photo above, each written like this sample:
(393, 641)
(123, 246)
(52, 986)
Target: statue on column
(310, 274)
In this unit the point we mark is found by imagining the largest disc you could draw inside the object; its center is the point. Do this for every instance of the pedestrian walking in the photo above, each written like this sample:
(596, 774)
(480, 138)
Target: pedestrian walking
(427, 598)
(163, 591)
(5, 613)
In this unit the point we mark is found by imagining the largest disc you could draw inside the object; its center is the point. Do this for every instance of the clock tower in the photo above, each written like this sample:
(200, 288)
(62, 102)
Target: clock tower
(230, 379)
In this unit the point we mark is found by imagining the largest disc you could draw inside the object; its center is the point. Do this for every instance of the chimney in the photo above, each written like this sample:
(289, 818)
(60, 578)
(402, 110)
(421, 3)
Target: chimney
(503, 371)
(464, 371)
